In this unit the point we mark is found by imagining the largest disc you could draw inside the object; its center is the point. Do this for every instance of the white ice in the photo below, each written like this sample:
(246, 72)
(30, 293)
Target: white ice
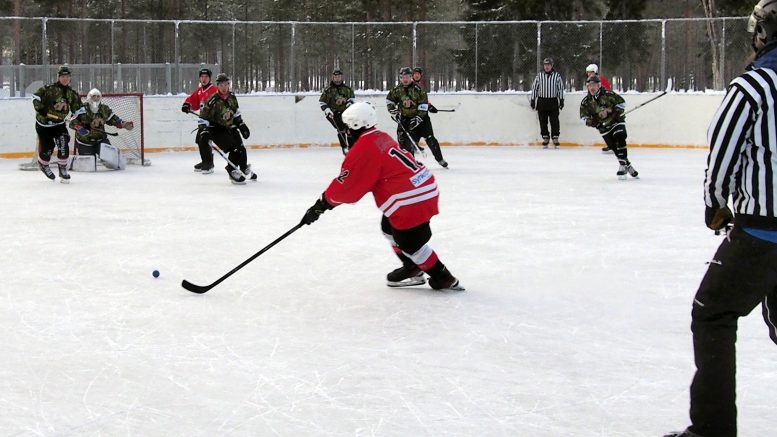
(575, 321)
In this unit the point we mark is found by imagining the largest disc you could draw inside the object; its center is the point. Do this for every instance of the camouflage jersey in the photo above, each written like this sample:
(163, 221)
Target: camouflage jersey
(592, 105)
(336, 97)
(95, 122)
(54, 102)
(411, 100)
(221, 112)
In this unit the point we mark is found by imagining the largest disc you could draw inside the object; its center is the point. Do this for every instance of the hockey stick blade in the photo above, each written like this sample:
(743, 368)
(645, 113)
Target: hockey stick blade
(200, 289)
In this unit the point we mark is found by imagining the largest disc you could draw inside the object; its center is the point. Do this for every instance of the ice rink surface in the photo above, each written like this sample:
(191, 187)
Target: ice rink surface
(575, 321)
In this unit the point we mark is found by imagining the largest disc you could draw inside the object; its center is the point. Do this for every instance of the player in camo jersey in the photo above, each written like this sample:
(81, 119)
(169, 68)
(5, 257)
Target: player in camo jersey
(335, 98)
(53, 103)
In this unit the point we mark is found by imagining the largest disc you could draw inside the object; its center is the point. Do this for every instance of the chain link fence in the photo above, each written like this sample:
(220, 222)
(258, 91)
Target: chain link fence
(162, 57)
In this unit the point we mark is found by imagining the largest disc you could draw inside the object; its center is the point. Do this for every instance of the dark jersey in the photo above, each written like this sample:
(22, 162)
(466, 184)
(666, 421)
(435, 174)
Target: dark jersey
(95, 122)
(336, 97)
(411, 100)
(594, 106)
(54, 102)
(219, 111)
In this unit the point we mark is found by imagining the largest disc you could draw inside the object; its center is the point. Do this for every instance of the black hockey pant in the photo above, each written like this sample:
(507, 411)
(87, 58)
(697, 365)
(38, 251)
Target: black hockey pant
(342, 131)
(742, 275)
(50, 138)
(615, 138)
(230, 142)
(413, 241)
(423, 130)
(206, 152)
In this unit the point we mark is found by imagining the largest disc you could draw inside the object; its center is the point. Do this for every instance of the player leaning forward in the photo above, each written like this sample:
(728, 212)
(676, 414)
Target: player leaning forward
(53, 103)
(222, 120)
(603, 110)
(92, 140)
(404, 190)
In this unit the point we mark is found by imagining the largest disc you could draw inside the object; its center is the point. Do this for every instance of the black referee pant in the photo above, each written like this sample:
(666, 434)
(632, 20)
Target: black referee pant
(742, 275)
(547, 111)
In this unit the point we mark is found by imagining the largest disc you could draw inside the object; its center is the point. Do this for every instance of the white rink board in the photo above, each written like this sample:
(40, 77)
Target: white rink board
(674, 120)
(575, 322)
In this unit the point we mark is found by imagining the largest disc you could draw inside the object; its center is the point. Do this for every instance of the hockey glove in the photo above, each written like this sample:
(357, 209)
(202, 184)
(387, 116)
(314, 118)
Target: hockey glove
(186, 108)
(315, 211)
(329, 114)
(394, 112)
(533, 104)
(244, 130)
(415, 122)
(717, 218)
(561, 104)
(432, 109)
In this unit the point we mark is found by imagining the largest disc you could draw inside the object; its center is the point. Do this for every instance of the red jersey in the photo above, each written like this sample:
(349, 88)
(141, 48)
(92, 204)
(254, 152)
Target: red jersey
(605, 83)
(404, 190)
(200, 96)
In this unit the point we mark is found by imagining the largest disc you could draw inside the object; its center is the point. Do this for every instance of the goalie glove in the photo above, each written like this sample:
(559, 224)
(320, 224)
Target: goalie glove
(415, 122)
(244, 130)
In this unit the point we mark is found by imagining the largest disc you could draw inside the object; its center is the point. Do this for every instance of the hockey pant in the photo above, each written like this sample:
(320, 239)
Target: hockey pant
(741, 276)
(230, 142)
(50, 138)
(615, 138)
(206, 153)
(547, 111)
(410, 245)
(423, 130)
(342, 132)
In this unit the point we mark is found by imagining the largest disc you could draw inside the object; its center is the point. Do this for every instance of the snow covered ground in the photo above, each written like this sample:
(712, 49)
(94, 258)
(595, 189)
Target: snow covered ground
(575, 321)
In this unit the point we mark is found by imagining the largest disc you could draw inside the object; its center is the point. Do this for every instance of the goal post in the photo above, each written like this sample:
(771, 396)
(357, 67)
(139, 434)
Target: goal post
(128, 107)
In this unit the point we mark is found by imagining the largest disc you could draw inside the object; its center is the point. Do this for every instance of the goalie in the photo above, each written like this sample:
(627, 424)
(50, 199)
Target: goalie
(92, 143)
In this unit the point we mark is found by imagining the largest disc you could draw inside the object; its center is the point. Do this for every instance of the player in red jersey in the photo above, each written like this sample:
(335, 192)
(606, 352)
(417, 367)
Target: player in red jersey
(404, 190)
(197, 100)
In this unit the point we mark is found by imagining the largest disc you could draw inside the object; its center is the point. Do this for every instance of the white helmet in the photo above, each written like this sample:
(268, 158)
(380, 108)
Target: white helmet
(93, 98)
(592, 67)
(763, 23)
(360, 115)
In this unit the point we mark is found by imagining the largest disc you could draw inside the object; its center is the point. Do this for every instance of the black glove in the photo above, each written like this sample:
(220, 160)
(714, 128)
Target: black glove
(315, 211)
(561, 104)
(432, 109)
(591, 122)
(394, 113)
(533, 104)
(415, 122)
(244, 130)
(186, 108)
(717, 218)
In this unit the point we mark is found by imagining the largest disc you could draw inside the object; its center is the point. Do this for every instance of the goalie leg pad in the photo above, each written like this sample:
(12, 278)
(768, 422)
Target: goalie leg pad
(83, 163)
(111, 157)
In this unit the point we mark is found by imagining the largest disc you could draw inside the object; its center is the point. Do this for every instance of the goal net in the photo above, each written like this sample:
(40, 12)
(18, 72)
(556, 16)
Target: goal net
(128, 107)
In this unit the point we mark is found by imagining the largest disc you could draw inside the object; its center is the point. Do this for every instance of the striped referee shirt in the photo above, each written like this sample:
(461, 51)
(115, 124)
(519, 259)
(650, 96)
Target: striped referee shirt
(548, 86)
(743, 147)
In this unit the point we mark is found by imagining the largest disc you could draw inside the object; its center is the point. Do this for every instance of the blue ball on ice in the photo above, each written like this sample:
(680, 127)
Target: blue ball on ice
(155, 273)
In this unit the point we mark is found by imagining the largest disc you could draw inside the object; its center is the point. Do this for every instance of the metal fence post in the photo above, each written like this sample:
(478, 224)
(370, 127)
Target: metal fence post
(415, 36)
(539, 46)
(234, 59)
(45, 47)
(663, 53)
(722, 56)
(169, 77)
(601, 44)
(119, 82)
(22, 87)
(353, 52)
(177, 54)
(291, 57)
(476, 56)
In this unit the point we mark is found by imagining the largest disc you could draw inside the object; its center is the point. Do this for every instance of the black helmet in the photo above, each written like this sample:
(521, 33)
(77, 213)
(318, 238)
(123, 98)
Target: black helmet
(594, 78)
(222, 77)
(405, 70)
(418, 70)
(64, 71)
(206, 71)
(548, 61)
(337, 72)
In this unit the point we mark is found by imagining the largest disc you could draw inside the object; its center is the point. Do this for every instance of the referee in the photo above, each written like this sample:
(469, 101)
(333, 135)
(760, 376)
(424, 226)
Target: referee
(743, 274)
(547, 98)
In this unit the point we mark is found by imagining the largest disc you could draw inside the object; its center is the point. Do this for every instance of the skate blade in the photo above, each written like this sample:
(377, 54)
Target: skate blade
(63, 181)
(407, 282)
(456, 287)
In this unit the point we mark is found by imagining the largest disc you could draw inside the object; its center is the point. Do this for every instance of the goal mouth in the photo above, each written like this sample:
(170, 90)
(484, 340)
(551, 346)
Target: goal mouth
(128, 107)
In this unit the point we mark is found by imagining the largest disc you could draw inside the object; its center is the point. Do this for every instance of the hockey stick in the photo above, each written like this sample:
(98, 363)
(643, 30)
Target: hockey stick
(341, 134)
(223, 155)
(200, 289)
(445, 110)
(415, 145)
(663, 93)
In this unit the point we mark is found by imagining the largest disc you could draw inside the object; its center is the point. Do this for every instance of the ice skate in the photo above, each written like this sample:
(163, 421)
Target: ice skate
(556, 143)
(405, 276)
(64, 177)
(250, 175)
(206, 170)
(685, 433)
(621, 172)
(443, 163)
(632, 171)
(47, 171)
(198, 167)
(445, 281)
(606, 150)
(545, 142)
(236, 177)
